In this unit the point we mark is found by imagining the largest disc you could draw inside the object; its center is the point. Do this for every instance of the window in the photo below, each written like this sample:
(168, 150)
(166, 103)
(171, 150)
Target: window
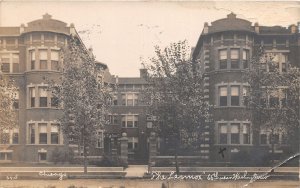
(16, 100)
(245, 58)
(263, 138)
(54, 134)
(5, 155)
(43, 59)
(234, 56)
(274, 99)
(15, 136)
(235, 99)
(130, 121)
(132, 143)
(32, 133)
(223, 59)
(240, 36)
(245, 95)
(278, 62)
(32, 96)
(15, 61)
(223, 95)
(113, 119)
(246, 133)
(42, 156)
(235, 133)
(274, 139)
(43, 96)
(4, 137)
(130, 99)
(43, 133)
(99, 141)
(54, 60)
(54, 102)
(228, 36)
(32, 60)
(223, 133)
(5, 63)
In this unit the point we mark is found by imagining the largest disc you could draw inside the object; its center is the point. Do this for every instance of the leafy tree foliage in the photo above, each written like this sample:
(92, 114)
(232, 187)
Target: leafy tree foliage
(82, 96)
(273, 98)
(8, 118)
(177, 96)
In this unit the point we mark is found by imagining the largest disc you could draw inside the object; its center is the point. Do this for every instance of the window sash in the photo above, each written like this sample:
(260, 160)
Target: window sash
(54, 55)
(32, 55)
(43, 55)
(223, 54)
(234, 54)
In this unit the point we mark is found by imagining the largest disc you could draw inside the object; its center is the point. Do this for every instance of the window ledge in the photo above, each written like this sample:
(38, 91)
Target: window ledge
(45, 144)
(234, 145)
(129, 127)
(227, 70)
(42, 70)
(33, 108)
(220, 107)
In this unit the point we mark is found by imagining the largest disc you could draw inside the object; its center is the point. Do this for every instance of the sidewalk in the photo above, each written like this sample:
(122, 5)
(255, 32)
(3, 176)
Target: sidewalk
(136, 171)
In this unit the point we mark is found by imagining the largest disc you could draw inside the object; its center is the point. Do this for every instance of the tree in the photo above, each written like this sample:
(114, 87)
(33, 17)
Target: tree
(83, 97)
(8, 118)
(273, 98)
(177, 96)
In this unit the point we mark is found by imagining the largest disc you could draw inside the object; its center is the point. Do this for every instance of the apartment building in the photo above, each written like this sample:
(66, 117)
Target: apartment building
(223, 52)
(30, 56)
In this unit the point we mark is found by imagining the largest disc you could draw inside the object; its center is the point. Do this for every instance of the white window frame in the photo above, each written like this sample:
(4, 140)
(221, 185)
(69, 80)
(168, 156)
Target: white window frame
(241, 132)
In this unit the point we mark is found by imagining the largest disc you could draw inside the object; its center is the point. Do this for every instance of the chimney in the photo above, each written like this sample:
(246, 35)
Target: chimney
(256, 27)
(205, 30)
(293, 29)
(143, 73)
(72, 29)
(22, 28)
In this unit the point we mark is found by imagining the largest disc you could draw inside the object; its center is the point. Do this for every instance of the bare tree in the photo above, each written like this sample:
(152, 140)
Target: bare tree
(177, 96)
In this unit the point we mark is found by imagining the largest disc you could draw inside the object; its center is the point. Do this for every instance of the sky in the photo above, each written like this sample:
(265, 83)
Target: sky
(124, 33)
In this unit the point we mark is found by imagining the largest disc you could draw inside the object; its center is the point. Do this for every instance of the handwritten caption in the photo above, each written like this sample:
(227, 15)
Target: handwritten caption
(60, 175)
(209, 176)
(15, 177)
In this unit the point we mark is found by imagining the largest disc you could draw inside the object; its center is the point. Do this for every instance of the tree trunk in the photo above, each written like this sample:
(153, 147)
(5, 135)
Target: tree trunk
(176, 158)
(84, 158)
(273, 146)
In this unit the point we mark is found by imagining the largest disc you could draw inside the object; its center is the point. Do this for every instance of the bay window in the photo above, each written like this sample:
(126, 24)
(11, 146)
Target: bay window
(54, 134)
(234, 58)
(32, 59)
(223, 95)
(43, 95)
(43, 59)
(245, 58)
(223, 133)
(32, 96)
(246, 133)
(223, 59)
(235, 133)
(42, 133)
(32, 133)
(235, 95)
(55, 60)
